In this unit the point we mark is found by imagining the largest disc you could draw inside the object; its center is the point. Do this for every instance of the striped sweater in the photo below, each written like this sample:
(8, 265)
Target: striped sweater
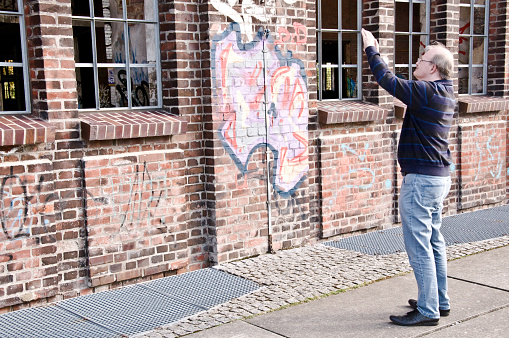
(423, 146)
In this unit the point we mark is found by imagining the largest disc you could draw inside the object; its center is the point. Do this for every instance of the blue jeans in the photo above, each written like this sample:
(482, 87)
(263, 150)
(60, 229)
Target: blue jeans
(420, 206)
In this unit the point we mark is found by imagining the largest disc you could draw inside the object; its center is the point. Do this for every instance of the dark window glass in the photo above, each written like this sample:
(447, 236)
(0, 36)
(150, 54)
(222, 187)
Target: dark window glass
(121, 69)
(339, 51)
(12, 74)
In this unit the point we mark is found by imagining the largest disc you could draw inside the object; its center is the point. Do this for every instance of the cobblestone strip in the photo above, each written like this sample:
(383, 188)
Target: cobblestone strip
(297, 275)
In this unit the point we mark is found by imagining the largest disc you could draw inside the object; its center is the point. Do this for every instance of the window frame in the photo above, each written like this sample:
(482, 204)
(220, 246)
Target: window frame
(24, 60)
(127, 65)
(340, 66)
(470, 36)
(411, 63)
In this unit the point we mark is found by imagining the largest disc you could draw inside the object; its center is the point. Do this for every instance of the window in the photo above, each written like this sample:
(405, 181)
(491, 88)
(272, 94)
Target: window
(473, 47)
(116, 49)
(411, 35)
(14, 95)
(339, 65)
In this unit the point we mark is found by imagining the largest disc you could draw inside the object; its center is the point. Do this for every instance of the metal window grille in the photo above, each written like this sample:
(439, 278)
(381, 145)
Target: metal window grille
(473, 47)
(339, 65)
(411, 35)
(115, 74)
(15, 96)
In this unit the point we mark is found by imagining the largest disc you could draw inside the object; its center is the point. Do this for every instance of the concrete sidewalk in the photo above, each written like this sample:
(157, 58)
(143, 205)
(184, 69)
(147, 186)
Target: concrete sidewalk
(479, 291)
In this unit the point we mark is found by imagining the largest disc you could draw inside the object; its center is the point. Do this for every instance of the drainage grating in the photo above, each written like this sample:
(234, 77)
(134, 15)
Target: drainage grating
(382, 242)
(49, 321)
(129, 310)
(218, 289)
(464, 228)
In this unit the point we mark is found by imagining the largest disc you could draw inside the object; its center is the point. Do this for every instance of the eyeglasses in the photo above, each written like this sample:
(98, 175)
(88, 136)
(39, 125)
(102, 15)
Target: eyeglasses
(419, 60)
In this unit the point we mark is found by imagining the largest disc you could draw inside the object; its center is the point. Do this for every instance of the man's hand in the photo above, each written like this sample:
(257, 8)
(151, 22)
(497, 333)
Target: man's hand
(369, 40)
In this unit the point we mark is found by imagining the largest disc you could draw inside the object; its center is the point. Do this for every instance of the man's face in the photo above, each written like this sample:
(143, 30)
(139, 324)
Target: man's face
(424, 66)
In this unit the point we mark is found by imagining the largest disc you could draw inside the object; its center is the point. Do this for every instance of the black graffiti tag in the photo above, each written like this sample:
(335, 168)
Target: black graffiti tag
(20, 206)
(139, 94)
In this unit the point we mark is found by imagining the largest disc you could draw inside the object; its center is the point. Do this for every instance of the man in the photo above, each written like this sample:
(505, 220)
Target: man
(424, 158)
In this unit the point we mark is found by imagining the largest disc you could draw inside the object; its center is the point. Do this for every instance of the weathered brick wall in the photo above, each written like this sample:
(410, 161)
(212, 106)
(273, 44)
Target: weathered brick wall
(136, 215)
(184, 92)
(29, 240)
(357, 178)
(38, 267)
(483, 164)
(498, 58)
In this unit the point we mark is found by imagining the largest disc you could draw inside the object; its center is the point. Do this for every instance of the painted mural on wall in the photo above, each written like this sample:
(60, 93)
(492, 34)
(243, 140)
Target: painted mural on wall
(243, 79)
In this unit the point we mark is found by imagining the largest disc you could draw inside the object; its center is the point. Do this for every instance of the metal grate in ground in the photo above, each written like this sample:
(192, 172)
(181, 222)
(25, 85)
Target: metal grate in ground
(219, 290)
(129, 310)
(465, 228)
(49, 321)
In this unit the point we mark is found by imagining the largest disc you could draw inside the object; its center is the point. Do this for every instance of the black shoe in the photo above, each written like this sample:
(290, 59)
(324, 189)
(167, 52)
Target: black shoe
(413, 305)
(414, 318)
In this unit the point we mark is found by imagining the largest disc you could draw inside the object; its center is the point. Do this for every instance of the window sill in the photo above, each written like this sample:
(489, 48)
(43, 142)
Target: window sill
(129, 124)
(16, 130)
(336, 112)
(399, 109)
(481, 104)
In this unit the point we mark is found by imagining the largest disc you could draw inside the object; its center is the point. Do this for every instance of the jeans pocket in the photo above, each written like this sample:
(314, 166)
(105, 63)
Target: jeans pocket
(431, 195)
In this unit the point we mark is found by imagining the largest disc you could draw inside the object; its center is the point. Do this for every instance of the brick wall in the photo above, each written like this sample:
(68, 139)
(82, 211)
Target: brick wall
(483, 165)
(82, 214)
(136, 215)
(29, 239)
(357, 173)
(498, 81)
(246, 162)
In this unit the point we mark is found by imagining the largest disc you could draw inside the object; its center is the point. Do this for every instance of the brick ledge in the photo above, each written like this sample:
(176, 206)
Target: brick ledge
(399, 109)
(130, 124)
(481, 104)
(16, 130)
(332, 112)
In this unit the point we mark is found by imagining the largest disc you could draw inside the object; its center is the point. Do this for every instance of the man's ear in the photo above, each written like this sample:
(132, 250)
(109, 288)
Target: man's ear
(434, 69)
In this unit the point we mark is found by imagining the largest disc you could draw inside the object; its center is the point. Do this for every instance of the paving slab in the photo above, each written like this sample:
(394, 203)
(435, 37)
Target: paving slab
(237, 329)
(365, 311)
(491, 325)
(489, 268)
(476, 307)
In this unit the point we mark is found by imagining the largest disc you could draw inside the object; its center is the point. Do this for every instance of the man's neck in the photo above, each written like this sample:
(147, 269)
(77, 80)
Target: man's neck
(431, 77)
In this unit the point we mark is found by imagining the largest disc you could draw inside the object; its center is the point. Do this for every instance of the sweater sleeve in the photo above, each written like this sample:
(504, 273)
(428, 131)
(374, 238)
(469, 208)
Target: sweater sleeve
(412, 93)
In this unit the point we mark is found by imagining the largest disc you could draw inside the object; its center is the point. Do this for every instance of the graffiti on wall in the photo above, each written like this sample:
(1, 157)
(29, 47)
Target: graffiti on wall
(366, 173)
(298, 36)
(255, 87)
(354, 170)
(21, 210)
(138, 209)
(139, 198)
(357, 180)
(489, 159)
(244, 11)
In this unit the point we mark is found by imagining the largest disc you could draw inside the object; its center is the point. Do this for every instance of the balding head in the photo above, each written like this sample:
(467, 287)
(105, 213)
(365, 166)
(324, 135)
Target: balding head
(442, 58)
